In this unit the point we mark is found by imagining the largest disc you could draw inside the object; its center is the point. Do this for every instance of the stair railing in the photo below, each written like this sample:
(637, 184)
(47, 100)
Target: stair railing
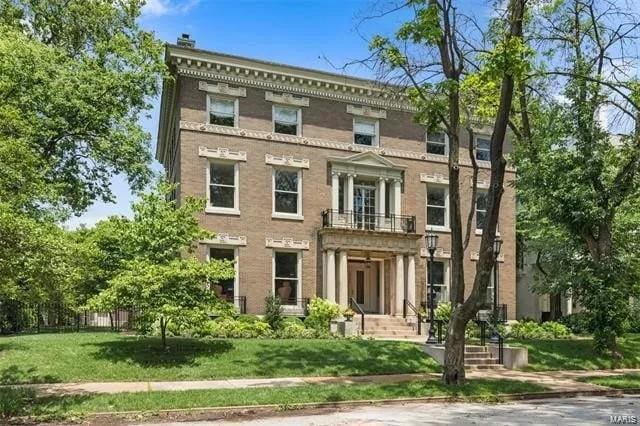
(406, 304)
(354, 306)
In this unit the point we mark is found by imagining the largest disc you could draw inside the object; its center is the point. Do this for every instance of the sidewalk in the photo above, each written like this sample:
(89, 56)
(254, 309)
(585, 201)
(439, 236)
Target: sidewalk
(554, 380)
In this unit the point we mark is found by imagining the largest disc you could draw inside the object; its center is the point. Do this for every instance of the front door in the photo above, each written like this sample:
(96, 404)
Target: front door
(364, 206)
(363, 285)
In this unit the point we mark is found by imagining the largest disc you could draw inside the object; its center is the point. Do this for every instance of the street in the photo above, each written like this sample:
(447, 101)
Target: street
(569, 411)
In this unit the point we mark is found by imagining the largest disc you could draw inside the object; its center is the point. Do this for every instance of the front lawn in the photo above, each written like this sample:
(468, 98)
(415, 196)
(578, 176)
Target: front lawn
(578, 354)
(103, 356)
(22, 402)
(624, 381)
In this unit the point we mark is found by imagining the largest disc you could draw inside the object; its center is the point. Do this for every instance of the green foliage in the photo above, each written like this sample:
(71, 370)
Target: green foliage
(293, 328)
(227, 327)
(75, 77)
(273, 311)
(14, 400)
(531, 330)
(578, 323)
(321, 312)
(443, 312)
(634, 317)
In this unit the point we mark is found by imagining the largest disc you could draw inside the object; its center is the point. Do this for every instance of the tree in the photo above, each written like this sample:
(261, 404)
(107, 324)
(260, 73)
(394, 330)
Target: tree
(75, 76)
(149, 267)
(452, 82)
(579, 177)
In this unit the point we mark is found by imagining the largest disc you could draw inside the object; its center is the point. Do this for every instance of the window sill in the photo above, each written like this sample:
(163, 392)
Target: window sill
(222, 210)
(438, 229)
(287, 216)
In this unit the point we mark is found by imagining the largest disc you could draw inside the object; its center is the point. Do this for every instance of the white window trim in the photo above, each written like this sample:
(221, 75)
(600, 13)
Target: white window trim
(236, 267)
(297, 308)
(299, 118)
(235, 210)
(447, 276)
(376, 137)
(446, 227)
(478, 232)
(236, 107)
(446, 144)
(280, 215)
(475, 145)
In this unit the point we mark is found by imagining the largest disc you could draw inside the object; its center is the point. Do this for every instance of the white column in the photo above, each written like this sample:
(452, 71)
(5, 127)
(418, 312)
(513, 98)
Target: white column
(343, 298)
(349, 191)
(392, 291)
(399, 283)
(324, 274)
(335, 188)
(411, 279)
(381, 196)
(396, 203)
(568, 305)
(331, 275)
(381, 292)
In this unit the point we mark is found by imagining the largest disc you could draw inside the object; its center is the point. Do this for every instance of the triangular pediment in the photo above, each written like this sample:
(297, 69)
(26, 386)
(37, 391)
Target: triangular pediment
(367, 158)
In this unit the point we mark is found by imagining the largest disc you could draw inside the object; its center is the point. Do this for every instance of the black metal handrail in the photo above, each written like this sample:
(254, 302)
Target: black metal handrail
(354, 306)
(406, 304)
(349, 219)
(242, 302)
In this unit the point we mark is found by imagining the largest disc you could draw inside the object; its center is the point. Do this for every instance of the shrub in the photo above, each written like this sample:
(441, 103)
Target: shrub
(249, 319)
(578, 323)
(321, 312)
(634, 317)
(273, 311)
(443, 312)
(295, 330)
(531, 330)
(226, 327)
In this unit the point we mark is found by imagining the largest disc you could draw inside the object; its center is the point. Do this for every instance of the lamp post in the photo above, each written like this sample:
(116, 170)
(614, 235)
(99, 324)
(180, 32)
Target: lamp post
(432, 243)
(497, 245)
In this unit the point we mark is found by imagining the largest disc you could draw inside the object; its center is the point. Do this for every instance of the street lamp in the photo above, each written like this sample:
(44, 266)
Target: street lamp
(497, 245)
(432, 243)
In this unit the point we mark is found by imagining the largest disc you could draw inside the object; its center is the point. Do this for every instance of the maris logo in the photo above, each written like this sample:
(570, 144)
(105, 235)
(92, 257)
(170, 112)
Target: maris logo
(623, 420)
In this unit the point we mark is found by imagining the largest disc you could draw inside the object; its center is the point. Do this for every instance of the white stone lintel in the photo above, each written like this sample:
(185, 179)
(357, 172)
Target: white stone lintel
(222, 153)
(287, 161)
(366, 111)
(286, 99)
(222, 89)
(287, 243)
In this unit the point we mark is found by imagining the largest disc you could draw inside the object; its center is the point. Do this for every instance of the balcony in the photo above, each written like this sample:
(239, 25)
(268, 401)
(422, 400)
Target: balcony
(332, 218)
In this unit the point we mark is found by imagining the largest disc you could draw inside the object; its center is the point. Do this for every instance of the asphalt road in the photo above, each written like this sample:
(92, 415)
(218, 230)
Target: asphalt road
(570, 411)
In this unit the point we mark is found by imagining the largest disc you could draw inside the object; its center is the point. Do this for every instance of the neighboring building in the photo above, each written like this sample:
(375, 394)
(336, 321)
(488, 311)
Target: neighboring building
(317, 184)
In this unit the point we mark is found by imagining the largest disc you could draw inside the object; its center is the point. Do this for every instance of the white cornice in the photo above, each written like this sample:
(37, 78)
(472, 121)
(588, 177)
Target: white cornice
(286, 99)
(434, 178)
(287, 243)
(321, 143)
(287, 161)
(226, 240)
(222, 89)
(222, 153)
(366, 111)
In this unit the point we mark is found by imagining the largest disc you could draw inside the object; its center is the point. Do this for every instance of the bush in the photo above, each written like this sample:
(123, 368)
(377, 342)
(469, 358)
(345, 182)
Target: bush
(531, 330)
(634, 317)
(226, 327)
(293, 328)
(321, 312)
(443, 312)
(578, 323)
(273, 311)
(249, 319)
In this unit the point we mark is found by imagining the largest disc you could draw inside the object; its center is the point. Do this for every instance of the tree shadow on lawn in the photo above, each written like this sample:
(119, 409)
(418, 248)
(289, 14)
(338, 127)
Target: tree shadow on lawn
(342, 357)
(23, 401)
(579, 354)
(148, 351)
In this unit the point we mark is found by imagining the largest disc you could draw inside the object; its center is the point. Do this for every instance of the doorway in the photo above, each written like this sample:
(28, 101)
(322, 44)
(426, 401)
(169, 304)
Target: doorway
(363, 285)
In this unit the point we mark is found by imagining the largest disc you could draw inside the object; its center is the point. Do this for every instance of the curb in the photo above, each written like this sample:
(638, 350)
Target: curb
(269, 410)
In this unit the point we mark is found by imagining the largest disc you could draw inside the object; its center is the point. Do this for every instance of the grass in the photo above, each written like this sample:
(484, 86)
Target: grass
(103, 356)
(624, 381)
(25, 403)
(578, 354)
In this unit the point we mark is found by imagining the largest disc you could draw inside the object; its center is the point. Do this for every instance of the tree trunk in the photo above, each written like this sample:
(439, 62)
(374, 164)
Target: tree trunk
(163, 332)
(453, 373)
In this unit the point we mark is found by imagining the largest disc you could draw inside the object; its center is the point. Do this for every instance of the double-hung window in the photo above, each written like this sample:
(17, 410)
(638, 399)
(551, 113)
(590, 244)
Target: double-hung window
(223, 111)
(222, 196)
(286, 120)
(481, 209)
(287, 193)
(483, 148)
(225, 289)
(437, 143)
(365, 132)
(437, 207)
(286, 276)
(440, 281)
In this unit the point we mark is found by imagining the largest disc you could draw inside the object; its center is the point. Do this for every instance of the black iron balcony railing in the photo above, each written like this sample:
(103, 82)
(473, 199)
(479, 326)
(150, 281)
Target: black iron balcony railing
(332, 218)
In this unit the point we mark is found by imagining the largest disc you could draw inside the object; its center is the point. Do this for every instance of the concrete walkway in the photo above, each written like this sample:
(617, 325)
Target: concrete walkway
(554, 380)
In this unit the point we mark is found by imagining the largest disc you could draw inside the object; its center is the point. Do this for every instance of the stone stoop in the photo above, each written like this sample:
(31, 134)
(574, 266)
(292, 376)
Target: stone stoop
(381, 326)
(479, 357)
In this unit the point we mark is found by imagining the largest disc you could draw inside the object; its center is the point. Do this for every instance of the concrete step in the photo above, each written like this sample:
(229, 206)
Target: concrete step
(485, 367)
(390, 333)
(389, 327)
(477, 355)
(469, 349)
(478, 361)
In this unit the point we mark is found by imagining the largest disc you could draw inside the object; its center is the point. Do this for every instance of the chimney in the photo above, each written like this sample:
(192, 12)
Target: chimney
(185, 41)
